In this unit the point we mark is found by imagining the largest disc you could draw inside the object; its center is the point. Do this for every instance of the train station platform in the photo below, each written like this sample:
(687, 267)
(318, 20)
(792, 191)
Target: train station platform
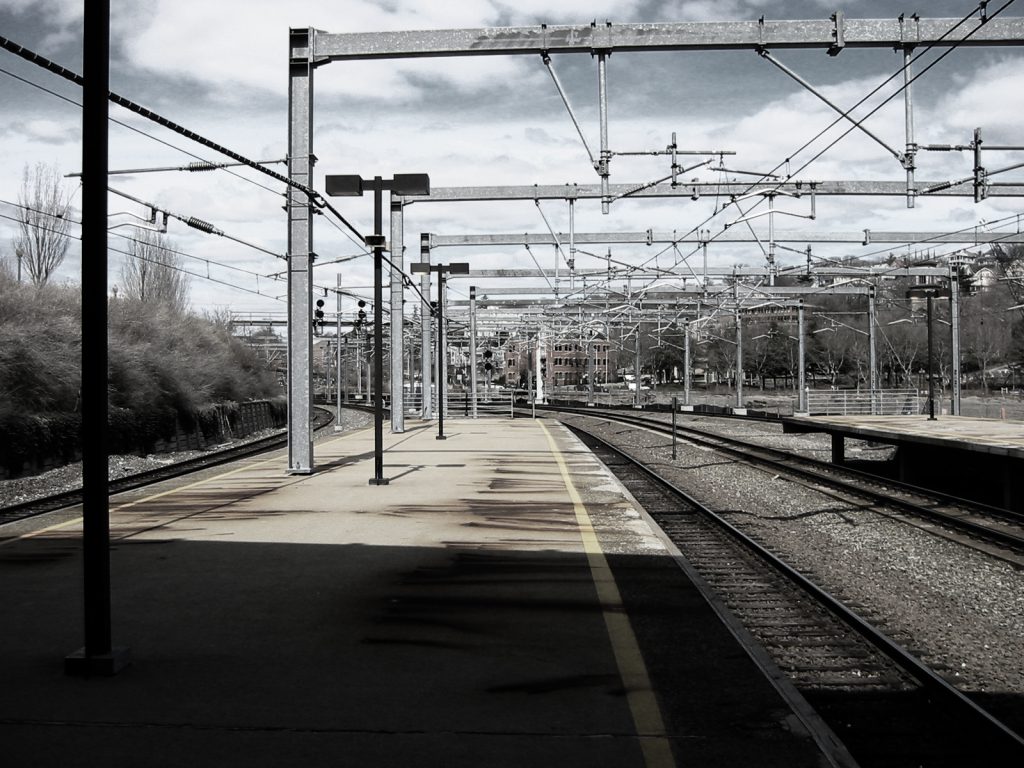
(978, 459)
(500, 602)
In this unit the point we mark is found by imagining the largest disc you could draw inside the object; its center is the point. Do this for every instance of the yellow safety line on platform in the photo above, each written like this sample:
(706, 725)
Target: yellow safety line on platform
(119, 507)
(639, 693)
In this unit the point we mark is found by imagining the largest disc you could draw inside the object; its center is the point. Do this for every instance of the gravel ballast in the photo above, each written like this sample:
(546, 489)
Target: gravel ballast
(959, 609)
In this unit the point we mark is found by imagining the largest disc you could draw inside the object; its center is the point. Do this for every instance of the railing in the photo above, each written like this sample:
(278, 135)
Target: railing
(879, 402)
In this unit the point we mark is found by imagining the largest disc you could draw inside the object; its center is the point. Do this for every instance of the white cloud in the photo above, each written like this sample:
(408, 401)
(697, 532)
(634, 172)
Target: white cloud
(992, 98)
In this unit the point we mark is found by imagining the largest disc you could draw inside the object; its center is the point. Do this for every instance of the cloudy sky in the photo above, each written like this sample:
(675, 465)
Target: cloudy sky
(220, 69)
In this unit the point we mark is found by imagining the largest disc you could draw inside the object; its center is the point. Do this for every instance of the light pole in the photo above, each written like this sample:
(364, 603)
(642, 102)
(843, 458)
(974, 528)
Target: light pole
(930, 292)
(454, 268)
(353, 186)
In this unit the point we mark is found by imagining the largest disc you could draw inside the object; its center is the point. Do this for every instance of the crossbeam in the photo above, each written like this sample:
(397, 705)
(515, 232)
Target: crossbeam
(827, 34)
(696, 189)
(731, 235)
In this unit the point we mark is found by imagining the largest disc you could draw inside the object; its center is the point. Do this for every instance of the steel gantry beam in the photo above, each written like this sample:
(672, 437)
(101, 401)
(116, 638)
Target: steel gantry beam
(829, 34)
(731, 235)
(309, 48)
(696, 189)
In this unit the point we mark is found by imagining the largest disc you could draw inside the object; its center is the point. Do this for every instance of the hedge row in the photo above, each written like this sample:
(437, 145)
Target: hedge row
(32, 442)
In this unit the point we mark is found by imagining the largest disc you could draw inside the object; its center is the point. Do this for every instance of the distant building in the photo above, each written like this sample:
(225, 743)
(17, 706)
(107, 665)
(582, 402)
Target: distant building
(564, 363)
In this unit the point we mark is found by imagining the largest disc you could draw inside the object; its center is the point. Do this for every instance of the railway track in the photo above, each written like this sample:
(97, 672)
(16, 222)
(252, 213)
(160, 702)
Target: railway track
(998, 532)
(879, 698)
(322, 418)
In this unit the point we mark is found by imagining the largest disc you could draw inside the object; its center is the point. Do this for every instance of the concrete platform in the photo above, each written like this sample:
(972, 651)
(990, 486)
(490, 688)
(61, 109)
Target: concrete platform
(993, 436)
(500, 603)
(980, 459)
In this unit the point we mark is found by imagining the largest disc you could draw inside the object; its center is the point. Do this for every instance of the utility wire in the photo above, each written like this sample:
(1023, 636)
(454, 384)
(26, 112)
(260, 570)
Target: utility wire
(315, 197)
(845, 116)
(141, 132)
(194, 274)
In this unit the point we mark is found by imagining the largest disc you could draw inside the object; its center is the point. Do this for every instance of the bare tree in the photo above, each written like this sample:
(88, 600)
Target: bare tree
(152, 272)
(43, 223)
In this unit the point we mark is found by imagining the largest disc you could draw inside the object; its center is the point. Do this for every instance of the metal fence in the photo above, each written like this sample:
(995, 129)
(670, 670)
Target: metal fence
(878, 402)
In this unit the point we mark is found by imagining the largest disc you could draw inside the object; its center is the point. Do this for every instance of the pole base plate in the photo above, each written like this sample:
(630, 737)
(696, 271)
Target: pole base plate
(79, 664)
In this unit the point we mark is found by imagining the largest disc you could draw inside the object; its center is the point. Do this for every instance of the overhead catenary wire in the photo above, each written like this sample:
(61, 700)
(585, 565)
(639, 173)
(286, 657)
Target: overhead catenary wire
(315, 197)
(196, 223)
(141, 132)
(856, 123)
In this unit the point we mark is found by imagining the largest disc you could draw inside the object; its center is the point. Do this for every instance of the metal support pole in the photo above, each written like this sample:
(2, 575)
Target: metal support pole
(979, 169)
(931, 363)
(771, 239)
(675, 409)
(426, 374)
(538, 387)
(378, 337)
(636, 367)
(534, 375)
(300, 256)
(442, 401)
(801, 354)
(739, 358)
(686, 363)
(98, 656)
(908, 104)
(472, 350)
(606, 155)
(954, 333)
(591, 369)
(337, 331)
(397, 316)
(872, 352)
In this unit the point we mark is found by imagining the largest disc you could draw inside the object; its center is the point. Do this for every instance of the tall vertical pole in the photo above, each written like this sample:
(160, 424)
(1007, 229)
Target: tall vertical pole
(739, 354)
(337, 331)
(675, 409)
(954, 334)
(931, 362)
(801, 354)
(704, 251)
(686, 363)
(97, 657)
(979, 169)
(472, 348)
(591, 368)
(538, 388)
(606, 155)
(300, 253)
(397, 316)
(426, 374)
(872, 351)
(441, 374)
(908, 105)
(378, 336)
(636, 365)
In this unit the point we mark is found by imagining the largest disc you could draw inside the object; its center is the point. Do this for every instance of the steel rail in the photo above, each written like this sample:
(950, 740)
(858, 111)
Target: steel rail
(925, 675)
(43, 504)
(822, 472)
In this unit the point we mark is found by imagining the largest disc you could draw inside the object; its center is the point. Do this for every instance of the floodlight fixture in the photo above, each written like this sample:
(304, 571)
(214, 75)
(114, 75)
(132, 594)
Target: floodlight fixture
(348, 185)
